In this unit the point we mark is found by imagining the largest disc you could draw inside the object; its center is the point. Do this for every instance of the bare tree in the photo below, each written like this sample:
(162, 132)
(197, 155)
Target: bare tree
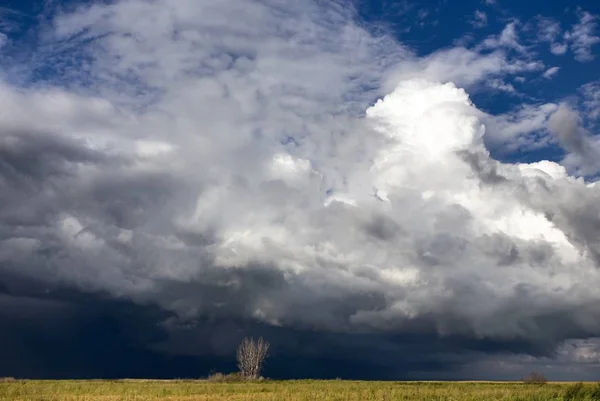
(251, 355)
(535, 378)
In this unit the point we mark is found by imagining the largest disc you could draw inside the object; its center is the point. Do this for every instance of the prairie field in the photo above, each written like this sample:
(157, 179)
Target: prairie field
(104, 390)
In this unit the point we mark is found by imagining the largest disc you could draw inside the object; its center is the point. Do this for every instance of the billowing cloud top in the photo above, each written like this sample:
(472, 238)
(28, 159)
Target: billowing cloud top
(248, 171)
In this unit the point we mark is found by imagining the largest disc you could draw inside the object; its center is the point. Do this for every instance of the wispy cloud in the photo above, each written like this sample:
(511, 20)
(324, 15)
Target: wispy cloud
(498, 84)
(551, 72)
(521, 129)
(479, 19)
(583, 36)
(463, 66)
(550, 31)
(591, 99)
(508, 38)
(9, 21)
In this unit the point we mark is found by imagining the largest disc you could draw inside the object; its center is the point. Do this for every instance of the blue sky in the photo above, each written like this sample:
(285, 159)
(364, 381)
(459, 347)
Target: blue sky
(383, 189)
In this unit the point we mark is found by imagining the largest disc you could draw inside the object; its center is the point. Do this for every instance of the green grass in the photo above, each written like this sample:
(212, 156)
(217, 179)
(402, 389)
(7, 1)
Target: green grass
(291, 390)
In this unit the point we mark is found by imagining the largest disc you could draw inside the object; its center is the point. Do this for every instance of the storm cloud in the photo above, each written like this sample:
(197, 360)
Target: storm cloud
(220, 179)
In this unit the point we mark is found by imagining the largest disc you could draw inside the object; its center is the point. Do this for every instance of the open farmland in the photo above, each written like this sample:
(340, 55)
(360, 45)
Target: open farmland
(291, 390)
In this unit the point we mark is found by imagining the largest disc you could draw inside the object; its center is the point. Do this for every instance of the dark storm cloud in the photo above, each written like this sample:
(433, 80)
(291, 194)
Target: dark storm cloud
(57, 333)
(32, 169)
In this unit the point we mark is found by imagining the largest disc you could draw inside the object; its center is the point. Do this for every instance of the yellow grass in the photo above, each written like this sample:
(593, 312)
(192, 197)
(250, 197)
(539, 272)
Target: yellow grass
(287, 390)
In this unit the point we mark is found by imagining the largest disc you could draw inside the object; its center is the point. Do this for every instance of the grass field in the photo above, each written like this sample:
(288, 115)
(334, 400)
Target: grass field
(289, 390)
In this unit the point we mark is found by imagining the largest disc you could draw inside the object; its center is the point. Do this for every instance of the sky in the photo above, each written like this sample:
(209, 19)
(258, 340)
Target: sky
(392, 190)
